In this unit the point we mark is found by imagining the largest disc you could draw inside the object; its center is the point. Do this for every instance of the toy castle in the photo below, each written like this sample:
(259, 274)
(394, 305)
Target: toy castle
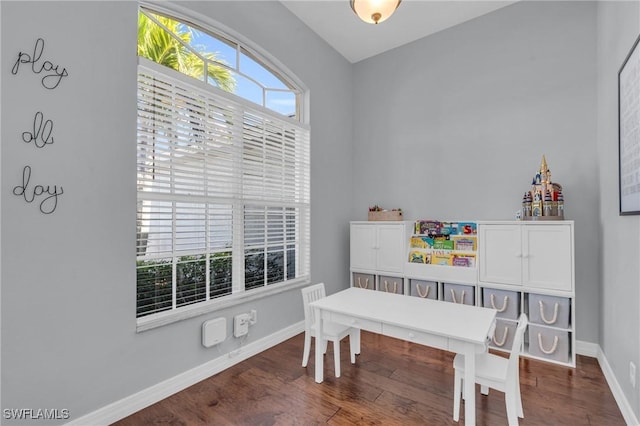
(545, 199)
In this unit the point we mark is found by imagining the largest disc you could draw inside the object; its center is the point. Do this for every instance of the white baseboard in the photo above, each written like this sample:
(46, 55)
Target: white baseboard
(587, 348)
(136, 402)
(625, 408)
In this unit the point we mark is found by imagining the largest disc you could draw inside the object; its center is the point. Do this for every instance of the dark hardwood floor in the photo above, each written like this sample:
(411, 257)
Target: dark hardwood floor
(392, 383)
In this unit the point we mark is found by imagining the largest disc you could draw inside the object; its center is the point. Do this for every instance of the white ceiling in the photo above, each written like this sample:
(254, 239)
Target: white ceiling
(335, 22)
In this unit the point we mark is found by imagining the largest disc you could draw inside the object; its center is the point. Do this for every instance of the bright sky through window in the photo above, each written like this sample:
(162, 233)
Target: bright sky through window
(252, 76)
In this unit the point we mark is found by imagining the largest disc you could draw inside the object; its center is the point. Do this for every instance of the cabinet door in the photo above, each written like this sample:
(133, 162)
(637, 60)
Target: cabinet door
(547, 257)
(363, 246)
(391, 247)
(500, 254)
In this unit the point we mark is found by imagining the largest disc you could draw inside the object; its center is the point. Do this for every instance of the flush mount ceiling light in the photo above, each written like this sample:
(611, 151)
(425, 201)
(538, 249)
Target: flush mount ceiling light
(374, 11)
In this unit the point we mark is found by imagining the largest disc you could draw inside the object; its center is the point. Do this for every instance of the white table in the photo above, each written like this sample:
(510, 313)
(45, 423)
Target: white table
(449, 326)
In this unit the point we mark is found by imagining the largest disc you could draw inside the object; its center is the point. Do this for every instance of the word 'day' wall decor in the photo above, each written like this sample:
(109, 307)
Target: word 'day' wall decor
(40, 134)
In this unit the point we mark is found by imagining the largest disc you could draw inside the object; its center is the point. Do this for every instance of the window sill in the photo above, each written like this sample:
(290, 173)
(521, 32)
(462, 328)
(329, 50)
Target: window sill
(164, 318)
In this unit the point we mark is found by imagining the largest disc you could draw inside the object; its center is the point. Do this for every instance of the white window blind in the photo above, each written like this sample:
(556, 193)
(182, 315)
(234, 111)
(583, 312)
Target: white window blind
(223, 194)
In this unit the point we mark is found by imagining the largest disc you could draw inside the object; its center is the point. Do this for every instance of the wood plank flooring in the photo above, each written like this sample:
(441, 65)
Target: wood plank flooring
(392, 383)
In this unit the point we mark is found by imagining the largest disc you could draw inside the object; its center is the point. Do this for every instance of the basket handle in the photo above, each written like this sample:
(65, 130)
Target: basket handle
(426, 293)
(453, 296)
(555, 313)
(504, 303)
(395, 286)
(366, 283)
(504, 338)
(553, 347)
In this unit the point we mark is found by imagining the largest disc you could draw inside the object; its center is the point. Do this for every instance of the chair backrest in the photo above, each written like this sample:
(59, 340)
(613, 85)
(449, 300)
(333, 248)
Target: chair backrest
(513, 365)
(311, 294)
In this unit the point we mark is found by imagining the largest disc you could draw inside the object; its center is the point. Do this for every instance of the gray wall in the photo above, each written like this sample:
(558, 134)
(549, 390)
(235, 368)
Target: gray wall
(455, 129)
(68, 278)
(618, 27)
(458, 123)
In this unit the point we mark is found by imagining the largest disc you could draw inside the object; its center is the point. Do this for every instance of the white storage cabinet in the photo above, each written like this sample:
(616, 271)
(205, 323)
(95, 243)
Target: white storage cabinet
(529, 267)
(530, 254)
(377, 255)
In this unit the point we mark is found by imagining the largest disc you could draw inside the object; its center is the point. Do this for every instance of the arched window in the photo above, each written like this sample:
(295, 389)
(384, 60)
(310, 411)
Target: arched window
(226, 64)
(223, 184)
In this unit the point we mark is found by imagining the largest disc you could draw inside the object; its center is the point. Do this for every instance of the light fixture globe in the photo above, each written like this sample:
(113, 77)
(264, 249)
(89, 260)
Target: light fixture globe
(374, 11)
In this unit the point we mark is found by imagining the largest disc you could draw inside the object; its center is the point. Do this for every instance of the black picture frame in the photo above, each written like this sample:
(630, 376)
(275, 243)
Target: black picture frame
(629, 133)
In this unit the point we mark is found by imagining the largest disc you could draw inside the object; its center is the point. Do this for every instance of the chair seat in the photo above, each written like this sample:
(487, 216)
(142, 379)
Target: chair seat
(488, 366)
(332, 330)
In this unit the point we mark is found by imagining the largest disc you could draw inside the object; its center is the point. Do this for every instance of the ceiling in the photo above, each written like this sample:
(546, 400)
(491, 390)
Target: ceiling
(335, 22)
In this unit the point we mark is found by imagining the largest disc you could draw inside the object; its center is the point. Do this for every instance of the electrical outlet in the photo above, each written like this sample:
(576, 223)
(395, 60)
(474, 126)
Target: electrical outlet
(241, 325)
(632, 374)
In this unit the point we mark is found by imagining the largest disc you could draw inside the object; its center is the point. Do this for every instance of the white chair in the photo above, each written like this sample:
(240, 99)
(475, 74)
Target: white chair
(331, 331)
(493, 371)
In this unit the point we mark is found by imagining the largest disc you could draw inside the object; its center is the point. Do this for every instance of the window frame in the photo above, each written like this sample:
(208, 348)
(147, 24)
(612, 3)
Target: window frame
(158, 319)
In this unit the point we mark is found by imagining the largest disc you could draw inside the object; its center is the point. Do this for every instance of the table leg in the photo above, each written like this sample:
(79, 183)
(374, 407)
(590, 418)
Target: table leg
(319, 346)
(470, 386)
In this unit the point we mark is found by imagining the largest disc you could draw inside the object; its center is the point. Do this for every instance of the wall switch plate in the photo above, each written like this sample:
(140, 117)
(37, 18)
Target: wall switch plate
(632, 374)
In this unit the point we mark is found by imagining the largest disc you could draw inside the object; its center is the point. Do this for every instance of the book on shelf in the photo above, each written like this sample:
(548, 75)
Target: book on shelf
(419, 257)
(463, 260)
(467, 228)
(448, 228)
(442, 244)
(421, 242)
(465, 243)
(441, 259)
(428, 227)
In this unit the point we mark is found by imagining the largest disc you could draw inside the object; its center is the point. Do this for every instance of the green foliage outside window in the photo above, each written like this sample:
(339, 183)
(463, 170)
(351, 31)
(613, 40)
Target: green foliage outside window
(165, 48)
(154, 285)
(154, 281)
